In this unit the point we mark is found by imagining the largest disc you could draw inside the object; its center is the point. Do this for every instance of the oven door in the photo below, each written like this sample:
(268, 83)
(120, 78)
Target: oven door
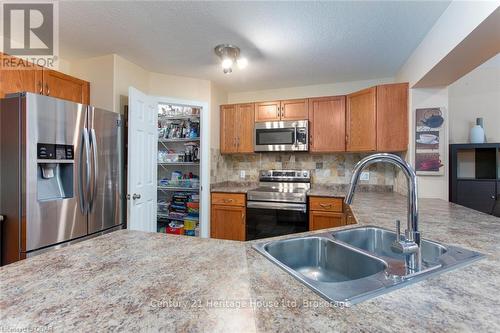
(281, 136)
(271, 219)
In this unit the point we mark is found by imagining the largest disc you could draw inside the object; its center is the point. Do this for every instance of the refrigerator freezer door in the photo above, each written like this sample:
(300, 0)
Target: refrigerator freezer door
(49, 221)
(106, 202)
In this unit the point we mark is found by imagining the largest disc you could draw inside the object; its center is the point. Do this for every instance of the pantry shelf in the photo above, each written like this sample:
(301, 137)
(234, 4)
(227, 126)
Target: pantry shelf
(178, 140)
(178, 163)
(179, 117)
(178, 188)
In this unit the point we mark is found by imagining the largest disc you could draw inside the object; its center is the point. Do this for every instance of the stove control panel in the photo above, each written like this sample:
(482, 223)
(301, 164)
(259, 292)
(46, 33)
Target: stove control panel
(292, 175)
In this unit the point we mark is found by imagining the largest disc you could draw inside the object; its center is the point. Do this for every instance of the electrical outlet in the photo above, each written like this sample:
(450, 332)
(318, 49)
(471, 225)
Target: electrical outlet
(365, 175)
(242, 174)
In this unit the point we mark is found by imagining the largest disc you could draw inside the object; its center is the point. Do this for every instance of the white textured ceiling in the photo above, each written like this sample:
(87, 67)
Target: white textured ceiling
(287, 43)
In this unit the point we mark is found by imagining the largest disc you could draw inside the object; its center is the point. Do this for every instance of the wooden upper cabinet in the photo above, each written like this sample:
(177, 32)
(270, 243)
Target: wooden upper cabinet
(294, 109)
(327, 124)
(64, 86)
(392, 117)
(267, 111)
(237, 128)
(228, 131)
(245, 119)
(361, 120)
(17, 75)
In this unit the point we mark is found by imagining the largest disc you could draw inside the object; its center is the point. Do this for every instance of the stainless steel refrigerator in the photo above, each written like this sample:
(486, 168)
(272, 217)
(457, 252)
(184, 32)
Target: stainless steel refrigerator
(61, 173)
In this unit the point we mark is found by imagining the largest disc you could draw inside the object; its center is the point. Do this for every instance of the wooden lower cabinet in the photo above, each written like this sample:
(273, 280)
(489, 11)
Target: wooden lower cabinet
(326, 212)
(323, 220)
(228, 217)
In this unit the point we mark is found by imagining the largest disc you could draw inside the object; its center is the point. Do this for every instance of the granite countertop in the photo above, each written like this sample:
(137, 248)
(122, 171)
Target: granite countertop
(331, 190)
(136, 281)
(233, 187)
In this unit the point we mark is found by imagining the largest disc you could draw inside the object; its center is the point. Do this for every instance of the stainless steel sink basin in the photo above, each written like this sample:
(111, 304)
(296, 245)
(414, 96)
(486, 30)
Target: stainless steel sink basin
(352, 265)
(379, 241)
(320, 259)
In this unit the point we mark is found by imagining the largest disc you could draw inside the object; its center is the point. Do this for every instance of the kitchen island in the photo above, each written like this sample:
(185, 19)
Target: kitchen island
(136, 281)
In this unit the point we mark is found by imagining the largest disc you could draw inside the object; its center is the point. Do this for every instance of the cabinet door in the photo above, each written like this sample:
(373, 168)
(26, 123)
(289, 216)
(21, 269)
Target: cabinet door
(496, 208)
(327, 124)
(17, 75)
(64, 86)
(479, 195)
(392, 117)
(246, 120)
(294, 109)
(228, 132)
(361, 120)
(267, 111)
(323, 220)
(228, 222)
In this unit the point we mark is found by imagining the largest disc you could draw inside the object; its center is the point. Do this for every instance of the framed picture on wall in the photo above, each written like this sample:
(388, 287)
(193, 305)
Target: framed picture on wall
(429, 141)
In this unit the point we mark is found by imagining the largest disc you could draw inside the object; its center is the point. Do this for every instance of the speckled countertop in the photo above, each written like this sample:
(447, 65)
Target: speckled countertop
(332, 190)
(134, 281)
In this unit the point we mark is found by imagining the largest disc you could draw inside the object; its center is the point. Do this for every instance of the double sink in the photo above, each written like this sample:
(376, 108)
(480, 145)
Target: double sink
(352, 265)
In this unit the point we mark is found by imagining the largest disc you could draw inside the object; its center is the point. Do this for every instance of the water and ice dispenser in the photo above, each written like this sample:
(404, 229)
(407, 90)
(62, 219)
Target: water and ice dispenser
(55, 171)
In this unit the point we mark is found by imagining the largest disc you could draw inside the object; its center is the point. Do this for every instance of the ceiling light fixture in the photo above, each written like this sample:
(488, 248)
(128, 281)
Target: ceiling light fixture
(229, 55)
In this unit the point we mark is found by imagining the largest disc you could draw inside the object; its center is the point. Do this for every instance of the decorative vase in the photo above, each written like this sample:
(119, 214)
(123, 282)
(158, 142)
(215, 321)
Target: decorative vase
(477, 134)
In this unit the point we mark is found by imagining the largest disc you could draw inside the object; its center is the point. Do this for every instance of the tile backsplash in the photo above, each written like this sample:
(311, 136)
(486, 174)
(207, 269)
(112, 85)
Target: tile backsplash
(326, 168)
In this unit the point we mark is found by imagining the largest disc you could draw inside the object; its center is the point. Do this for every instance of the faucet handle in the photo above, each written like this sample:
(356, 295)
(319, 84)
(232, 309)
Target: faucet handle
(398, 230)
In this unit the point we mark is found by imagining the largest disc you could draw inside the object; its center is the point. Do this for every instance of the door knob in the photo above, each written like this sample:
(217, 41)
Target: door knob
(136, 196)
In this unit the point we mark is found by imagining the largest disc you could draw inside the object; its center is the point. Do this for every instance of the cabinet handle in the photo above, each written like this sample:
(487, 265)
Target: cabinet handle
(40, 87)
(227, 200)
(310, 139)
(493, 197)
(47, 90)
(324, 205)
(278, 112)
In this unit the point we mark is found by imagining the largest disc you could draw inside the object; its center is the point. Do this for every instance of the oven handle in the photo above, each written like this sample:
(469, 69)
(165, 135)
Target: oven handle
(296, 143)
(277, 206)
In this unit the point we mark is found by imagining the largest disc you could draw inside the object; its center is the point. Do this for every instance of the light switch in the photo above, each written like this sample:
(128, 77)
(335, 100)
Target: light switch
(242, 174)
(365, 175)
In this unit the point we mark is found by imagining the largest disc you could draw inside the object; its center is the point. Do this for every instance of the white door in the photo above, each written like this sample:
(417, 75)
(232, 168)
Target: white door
(142, 150)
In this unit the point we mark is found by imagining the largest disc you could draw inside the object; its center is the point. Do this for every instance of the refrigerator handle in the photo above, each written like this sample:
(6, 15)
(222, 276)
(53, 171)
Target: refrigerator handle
(83, 193)
(95, 167)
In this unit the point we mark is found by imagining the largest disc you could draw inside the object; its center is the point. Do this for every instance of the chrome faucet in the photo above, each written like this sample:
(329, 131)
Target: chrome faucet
(409, 245)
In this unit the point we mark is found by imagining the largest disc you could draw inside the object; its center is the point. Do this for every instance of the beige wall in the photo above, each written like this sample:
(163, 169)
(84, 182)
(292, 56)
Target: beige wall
(179, 87)
(218, 96)
(330, 89)
(99, 71)
(454, 25)
(127, 74)
(477, 94)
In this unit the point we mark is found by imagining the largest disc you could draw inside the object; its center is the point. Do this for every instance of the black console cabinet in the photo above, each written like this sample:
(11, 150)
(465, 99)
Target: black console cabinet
(475, 176)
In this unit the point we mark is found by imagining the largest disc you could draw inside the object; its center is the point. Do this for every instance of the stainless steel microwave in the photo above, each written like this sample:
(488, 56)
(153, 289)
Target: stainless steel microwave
(282, 136)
